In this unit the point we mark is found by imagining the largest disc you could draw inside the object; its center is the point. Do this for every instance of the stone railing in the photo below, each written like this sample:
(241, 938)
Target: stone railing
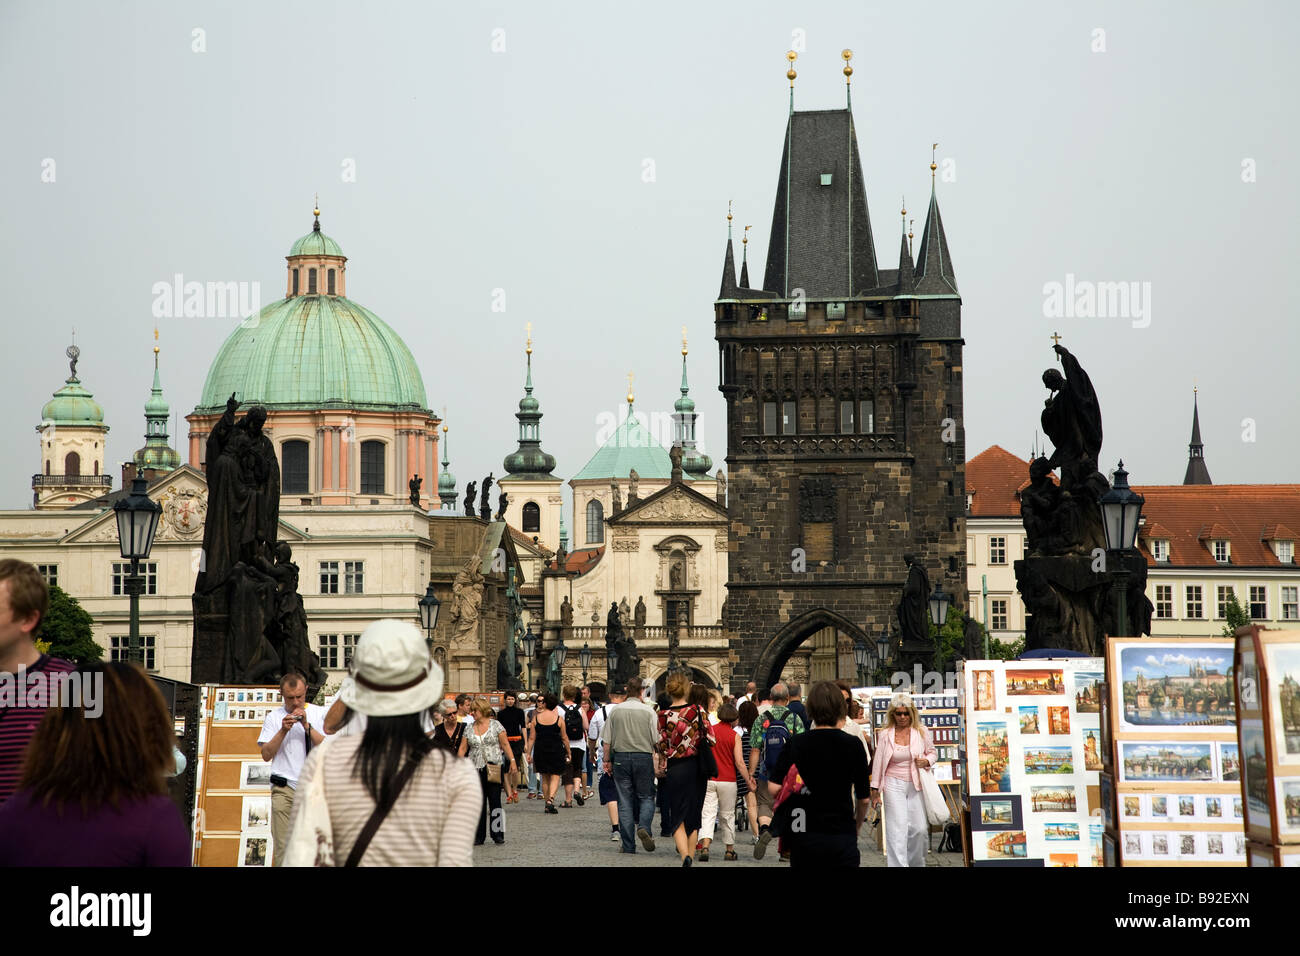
(94, 481)
(593, 636)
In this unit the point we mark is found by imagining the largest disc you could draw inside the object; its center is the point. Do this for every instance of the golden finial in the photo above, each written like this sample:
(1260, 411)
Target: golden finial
(909, 227)
(904, 205)
(848, 70)
(528, 327)
(630, 376)
(933, 167)
(316, 206)
(155, 339)
(791, 74)
(444, 429)
(683, 341)
(744, 239)
(728, 210)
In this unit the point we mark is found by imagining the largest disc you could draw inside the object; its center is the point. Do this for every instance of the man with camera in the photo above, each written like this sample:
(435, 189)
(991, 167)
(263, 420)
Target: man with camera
(288, 734)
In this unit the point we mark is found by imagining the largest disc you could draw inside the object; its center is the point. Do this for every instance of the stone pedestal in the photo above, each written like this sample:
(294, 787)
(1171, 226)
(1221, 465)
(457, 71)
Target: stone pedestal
(1070, 600)
(465, 673)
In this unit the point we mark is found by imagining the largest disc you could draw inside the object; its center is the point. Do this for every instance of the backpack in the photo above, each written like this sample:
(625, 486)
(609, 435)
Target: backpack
(775, 736)
(573, 723)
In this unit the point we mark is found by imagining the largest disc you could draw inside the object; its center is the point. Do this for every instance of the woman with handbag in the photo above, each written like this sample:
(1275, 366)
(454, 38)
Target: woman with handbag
(903, 751)
(387, 797)
(684, 755)
(486, 744)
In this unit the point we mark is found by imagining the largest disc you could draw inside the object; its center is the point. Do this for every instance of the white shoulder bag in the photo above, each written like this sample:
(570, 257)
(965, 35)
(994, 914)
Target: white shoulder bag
(311, 838)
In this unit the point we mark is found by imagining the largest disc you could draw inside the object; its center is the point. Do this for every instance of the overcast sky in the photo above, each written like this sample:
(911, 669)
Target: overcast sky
(1113, 156)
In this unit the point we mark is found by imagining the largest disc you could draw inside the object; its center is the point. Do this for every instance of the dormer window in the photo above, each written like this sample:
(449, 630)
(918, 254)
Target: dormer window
(1285, 551)
(1220, 549)
(1160, 549)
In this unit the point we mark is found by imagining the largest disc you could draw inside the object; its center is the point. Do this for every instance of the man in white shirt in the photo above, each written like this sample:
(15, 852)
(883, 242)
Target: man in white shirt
(605, 788)
(750, 690)
(288, 733)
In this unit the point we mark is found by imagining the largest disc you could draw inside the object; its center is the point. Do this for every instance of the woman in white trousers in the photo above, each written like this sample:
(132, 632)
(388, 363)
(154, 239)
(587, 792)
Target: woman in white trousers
(903, 749)
(720, 795)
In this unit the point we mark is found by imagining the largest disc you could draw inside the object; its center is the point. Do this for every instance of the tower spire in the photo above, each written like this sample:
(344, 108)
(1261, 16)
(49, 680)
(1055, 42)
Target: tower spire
(848, 78)
(315, 211)
(1197, 473)
(528, 460)
(157, 453)
(446, 480)
(790, 74)
(933, 264)
(695, 464)
(744, 258)
(906, 275)
(728, 288)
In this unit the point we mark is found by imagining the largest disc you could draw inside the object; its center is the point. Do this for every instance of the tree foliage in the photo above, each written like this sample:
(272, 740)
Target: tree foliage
(67, 630)
(1234, 614)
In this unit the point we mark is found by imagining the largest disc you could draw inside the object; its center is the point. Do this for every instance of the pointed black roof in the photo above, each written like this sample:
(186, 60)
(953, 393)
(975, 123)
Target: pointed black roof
(821, 238)
(744, 265)
(1197, 473)
(728, 290)
(906, 276)
(933, 264)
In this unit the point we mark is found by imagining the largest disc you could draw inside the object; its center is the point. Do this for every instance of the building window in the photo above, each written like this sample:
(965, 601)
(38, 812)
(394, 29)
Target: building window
(295, 281)
(846, 417)
(998, 613)
(330, 278)
(789, 418)
(311, 281)
(595, 522)
(997, 550)
(122, 570)
(866, 416)
(72, 465)
(1290, 604)
(329, 577)
(1285, 551)
(1192, 596)
(354, 577)
(1258, 602)
(970, 551)
(1160, 549)
(532, 517)
(1223, 594)
(293, 468)
(372, 468)
(120, 649)
(50, 572)
(330, 644)
(1164, 600)
(769, 418)
(1220, 549)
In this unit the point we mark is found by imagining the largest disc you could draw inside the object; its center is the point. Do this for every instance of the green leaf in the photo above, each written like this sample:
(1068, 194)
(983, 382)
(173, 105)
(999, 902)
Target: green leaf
(67, 630)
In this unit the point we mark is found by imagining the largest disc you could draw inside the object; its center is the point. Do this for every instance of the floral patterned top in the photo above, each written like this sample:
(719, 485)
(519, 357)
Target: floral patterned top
(679, 731)
(485, 749)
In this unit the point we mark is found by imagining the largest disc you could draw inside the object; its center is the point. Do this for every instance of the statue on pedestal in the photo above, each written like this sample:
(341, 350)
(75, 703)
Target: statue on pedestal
(913, 614)
(566, 612)
(414, 485)
(466, 600)
(628, 664)
(469, 498)
(503, 502)
(618, 498)
(484, 508)
(633, 480)
(639, 615)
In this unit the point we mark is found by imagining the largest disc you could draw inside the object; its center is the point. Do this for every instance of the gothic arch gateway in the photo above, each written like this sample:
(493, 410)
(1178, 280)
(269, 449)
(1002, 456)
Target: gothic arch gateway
(773, 657)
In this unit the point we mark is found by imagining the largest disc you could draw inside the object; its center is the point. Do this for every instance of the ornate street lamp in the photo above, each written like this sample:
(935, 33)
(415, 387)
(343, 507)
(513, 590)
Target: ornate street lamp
(1121, 510)
(584, 657)
(882, 646)
(429, 606)
(530, 648)
(137, 520)
(862, 657)
(611, 666)
(939, 602)
(560, 652)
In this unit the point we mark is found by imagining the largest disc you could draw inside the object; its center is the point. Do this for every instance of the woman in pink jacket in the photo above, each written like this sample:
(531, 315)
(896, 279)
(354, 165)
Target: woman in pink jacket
(903, 748)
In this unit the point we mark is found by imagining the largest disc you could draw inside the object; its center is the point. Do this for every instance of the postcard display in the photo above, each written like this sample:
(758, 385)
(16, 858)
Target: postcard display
(1268, 694)
(1032, 750)
(232, 825)
(939, 715)
(1172, 791)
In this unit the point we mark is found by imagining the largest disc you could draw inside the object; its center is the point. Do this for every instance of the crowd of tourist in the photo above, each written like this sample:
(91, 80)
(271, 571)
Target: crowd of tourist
(393, 774)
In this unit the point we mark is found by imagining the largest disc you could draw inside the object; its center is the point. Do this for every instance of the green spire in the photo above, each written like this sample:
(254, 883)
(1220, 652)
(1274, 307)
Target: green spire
(695, 463)
(446, 480)
(528, 460)
(157, 453)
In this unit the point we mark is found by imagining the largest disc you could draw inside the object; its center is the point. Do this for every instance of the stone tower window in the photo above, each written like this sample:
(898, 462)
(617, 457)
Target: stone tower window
(72, 465)
(295, 281)
(595, 522)
(293, 468)
(311, 281)
(532, 517)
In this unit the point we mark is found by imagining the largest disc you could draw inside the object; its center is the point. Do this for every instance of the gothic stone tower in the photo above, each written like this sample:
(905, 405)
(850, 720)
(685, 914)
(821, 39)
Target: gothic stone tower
(845, 437)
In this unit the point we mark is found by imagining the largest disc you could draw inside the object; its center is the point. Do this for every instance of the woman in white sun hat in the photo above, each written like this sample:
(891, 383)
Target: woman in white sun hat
(387, 797)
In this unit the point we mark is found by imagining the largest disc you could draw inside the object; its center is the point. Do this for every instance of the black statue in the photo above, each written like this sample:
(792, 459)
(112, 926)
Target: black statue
(503, 501)
(566, 612)
(974, 639)
(507, 674)
(469, 499)
(250, 626)
(1072, 420)
(913, 614)
(485, 509)
(414, 485)
(613, 625)
(627, 663)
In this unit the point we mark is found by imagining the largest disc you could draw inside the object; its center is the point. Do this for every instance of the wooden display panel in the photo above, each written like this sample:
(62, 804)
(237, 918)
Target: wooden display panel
(1173, 753)
(1268, 686)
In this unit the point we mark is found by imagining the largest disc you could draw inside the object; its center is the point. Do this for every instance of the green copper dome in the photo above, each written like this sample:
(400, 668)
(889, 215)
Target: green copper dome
(631, 446)
(72, 405)
(313, 352)
(315, 243)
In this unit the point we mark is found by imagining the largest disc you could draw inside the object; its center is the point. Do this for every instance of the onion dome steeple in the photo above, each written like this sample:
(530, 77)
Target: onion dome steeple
(695, 463)
(156, 454)
(446, 480)
(1197, 473)
(529, 461)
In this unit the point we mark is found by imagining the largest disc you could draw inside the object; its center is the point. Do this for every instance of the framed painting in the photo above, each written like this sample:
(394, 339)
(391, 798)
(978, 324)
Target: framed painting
(1172, 686)
(996, 812)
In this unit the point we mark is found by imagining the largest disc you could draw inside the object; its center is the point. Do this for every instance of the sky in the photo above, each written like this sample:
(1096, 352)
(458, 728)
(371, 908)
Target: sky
(574, 162)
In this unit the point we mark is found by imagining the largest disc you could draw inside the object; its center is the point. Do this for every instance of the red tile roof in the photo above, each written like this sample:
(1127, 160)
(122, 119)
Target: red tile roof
(1248, 516)
(993, 478)
(580, 562)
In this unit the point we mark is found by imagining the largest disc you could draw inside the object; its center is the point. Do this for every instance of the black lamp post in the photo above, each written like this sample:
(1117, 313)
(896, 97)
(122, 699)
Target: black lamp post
(137, 520)
(1121, 509)
(559, 652)
(611, 666)
(882, 647)
(939, 602)
(862, 657)
(429, 606)
(530, 648)
(584, 657)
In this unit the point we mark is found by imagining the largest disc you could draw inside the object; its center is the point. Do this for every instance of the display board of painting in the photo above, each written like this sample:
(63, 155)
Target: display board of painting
(1032, 749)
(938, 714)
(1268, 691)
(1264, 854)
(233, 815)
(1177, 771)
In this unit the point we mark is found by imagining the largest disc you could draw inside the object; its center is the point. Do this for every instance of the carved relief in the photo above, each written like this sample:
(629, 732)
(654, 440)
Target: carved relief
(626, 544)
(816, 499)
